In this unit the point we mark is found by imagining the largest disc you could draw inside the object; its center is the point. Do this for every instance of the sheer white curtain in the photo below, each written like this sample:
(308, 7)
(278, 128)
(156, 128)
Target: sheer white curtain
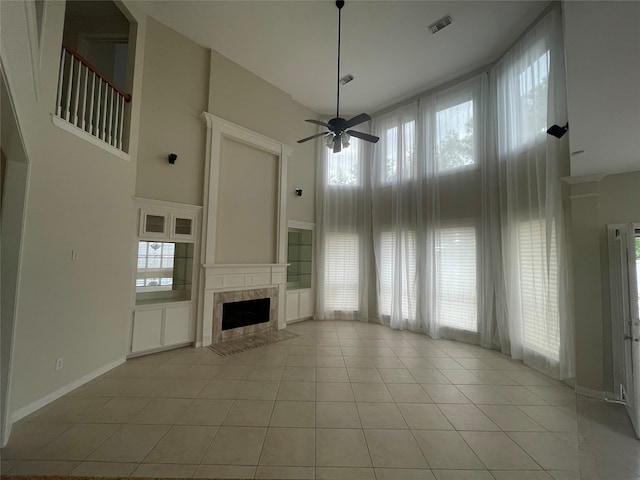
(396, 211)
(343, 232)
(529, 91)
(461, 201)
(427, 204)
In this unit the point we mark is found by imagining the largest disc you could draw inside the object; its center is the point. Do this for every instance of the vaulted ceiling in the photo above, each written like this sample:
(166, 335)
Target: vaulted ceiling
(386, 45)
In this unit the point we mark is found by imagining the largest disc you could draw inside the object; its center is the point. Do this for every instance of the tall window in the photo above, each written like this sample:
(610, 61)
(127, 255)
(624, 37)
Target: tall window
(343, 169)
(456, 279)
(539, 288)
(397, 273)
(400, 153)
(454, 136)
(341, 272)
(533, 84)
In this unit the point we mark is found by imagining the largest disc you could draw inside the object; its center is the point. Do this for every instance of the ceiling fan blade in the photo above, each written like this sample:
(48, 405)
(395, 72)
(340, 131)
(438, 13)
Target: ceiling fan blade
(363, 136)
(318, 122)
(312, 137)
(337, 144)
(357, 120)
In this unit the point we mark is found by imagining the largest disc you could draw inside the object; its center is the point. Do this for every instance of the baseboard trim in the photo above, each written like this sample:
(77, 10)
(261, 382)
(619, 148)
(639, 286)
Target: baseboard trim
(588, 392)
(47, 399)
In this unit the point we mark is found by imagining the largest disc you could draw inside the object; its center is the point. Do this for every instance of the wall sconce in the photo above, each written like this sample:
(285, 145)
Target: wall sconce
(172, 158)
(298, 192)
(558, 131)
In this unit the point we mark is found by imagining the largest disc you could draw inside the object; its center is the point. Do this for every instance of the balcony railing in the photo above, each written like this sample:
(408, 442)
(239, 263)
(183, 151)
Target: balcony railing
(89, 101)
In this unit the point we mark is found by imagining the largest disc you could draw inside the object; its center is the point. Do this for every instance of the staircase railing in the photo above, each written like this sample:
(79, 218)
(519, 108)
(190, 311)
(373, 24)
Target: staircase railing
(90, 101)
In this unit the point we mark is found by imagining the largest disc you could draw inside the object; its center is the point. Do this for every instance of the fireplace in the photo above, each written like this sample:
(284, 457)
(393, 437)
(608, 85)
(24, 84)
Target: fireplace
(243, 312)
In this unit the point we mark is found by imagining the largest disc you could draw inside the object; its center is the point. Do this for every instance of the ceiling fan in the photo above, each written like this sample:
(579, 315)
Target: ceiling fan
(340, 128)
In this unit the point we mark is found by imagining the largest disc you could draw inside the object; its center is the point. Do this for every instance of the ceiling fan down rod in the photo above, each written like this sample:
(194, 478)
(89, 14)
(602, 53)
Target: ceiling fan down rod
(339, 4)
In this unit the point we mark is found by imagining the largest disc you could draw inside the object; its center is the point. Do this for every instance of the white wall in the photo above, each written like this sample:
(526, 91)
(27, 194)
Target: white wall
(176, 92)
(79, 195)
(79, 198)
(619, 202)
(603, 74)
(247, 205)
(15, 170)
(239, 96)
(603, 79)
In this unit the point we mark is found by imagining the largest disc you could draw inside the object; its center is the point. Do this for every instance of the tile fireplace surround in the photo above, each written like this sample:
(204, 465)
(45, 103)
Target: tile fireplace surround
(232, 283)
(220, 298)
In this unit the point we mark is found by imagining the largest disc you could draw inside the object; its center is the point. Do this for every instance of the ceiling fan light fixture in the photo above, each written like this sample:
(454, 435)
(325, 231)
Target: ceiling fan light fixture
(329, 141)
(337, 136)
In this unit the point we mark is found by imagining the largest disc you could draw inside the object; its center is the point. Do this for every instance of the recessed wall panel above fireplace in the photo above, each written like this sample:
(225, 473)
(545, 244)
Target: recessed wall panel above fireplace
(247, 205)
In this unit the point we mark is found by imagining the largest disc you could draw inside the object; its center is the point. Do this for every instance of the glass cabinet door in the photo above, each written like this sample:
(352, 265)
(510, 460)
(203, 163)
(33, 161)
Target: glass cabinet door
(183, 226)
(153, 224)
(299, 258)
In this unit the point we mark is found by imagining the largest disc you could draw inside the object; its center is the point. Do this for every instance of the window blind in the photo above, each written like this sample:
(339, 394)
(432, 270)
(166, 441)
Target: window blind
(341, 272)
(388, 272)
(456, 279)
(539, 288)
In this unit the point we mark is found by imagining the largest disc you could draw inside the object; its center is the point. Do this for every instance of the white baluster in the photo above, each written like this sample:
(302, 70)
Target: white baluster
(103, 127)
(93, 91)
(60, 81)
(85, 99)
(122, 106)
(67, 112)
(98, 106)
(116, 117)
(77, 93)
(112, 134)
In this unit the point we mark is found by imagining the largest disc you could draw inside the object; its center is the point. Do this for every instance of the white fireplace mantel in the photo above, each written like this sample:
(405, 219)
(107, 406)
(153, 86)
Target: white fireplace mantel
(225, 277)
(242, 276)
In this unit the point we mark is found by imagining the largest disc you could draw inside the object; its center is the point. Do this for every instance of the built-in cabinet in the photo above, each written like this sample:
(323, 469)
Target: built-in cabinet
(165, 278)
(158, 222)
(300, 271)
(159, 326)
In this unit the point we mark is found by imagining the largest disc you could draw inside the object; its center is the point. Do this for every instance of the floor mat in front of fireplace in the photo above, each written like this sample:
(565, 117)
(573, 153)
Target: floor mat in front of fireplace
(249, 342)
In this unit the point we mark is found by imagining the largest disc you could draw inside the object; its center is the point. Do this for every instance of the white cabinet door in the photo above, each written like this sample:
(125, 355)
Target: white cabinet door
(147, 329)
(177, 325)
(305, 307)
(154, 223)
(183, 226)
(292, 305)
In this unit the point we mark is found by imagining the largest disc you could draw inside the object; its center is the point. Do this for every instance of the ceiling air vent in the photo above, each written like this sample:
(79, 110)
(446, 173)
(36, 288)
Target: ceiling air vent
(346, 79)
(440, 24)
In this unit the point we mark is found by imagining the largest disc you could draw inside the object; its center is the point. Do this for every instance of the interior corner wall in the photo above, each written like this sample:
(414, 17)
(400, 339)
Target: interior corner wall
(587, 286)
(619, 202)
(79, 198)
(594, 205)
(241, 97)
(176, 91)
(603, 74)
(602, 54)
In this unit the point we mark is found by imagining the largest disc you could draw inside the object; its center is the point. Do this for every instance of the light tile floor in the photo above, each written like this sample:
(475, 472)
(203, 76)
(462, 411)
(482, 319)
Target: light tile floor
(344, 400)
